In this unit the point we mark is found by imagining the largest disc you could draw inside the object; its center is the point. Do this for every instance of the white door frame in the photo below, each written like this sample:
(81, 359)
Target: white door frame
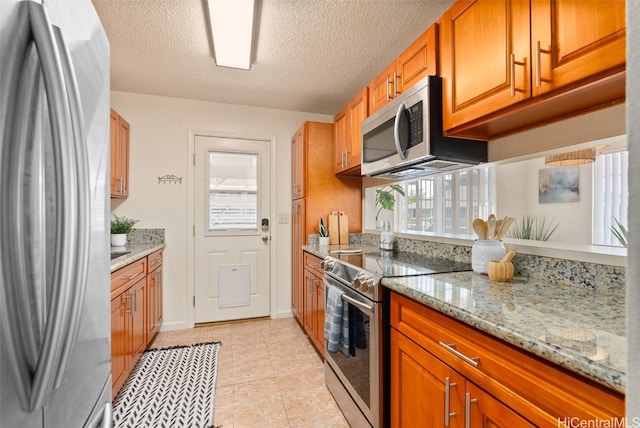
(191, 241)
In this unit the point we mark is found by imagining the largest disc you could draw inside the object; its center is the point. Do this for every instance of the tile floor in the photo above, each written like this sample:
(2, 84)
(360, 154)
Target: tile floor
(269, 375)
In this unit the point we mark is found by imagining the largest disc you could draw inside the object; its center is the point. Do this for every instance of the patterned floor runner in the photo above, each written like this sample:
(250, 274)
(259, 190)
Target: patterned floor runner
(172, 387)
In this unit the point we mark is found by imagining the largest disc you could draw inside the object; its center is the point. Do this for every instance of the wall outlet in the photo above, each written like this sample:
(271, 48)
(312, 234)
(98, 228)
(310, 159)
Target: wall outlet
(283, 218)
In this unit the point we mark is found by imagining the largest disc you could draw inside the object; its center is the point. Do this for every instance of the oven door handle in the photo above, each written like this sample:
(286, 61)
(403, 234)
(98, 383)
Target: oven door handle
(364, 307)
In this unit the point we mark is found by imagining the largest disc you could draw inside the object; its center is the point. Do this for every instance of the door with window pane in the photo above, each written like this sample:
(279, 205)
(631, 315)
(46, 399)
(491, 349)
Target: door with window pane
(232, 229)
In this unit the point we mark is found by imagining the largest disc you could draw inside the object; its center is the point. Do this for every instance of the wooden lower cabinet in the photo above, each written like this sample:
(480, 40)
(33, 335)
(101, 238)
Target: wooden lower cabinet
(136, 314)
(508, 388)
(313, 304)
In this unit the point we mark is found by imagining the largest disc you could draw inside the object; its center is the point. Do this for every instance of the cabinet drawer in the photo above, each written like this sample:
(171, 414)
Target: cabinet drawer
(313, 262)
(127, 276)
(537, 389)
(154, 260)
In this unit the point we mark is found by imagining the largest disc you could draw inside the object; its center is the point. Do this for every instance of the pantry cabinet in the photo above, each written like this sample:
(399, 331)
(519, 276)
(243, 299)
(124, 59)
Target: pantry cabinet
(416, 62)
(348, 135)
(119, 152)
(444, 368)
(316, 191)
(508, 65)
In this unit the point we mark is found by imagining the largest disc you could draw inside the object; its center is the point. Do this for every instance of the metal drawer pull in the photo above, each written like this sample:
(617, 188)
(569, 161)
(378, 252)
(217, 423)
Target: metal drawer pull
(447, 400)
(133, 275)
(451, 348)
(467, 409)
(512, 66)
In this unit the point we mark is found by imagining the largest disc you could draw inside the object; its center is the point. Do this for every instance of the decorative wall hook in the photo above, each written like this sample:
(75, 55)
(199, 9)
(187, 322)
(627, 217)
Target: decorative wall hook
(170, 178)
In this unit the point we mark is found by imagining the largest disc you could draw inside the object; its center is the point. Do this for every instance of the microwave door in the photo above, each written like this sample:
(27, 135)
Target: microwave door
(401, 130)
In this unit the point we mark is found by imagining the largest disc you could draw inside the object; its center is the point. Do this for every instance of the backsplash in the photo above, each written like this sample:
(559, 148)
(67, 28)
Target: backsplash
(567, 272)
(146, 236)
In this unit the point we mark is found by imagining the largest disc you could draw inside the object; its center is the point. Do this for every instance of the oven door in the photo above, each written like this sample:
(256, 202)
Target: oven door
(360, 371)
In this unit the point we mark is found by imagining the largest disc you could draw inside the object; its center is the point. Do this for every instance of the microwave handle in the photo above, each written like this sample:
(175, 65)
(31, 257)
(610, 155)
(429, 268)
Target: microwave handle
(396, 131)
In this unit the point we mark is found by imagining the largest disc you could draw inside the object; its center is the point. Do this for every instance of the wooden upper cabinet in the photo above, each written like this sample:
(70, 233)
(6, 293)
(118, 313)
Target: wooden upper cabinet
(575, 40)
(417, 61)
(119, 129)
(484, 58)
(511, 65)
(348, 135)
(299, 167)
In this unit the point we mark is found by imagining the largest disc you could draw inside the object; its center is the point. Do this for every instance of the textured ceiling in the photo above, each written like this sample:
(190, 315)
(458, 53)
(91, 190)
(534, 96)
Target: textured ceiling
(311, 55)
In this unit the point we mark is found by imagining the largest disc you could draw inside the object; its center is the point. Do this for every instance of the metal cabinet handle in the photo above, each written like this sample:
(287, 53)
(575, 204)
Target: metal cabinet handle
(133, 275)
(539, 51)
(447, 400)
(395, 84)
(474, 361)
(346, 158)
(512, 66)
(467, 409)
(127, 302)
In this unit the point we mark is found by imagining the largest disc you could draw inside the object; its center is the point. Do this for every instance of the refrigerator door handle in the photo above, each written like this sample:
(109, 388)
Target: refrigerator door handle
(70, 222)
(78, 286)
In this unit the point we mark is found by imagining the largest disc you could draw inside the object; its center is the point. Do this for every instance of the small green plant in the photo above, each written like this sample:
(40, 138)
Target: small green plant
(620, 232)
(322, 229)
(120, 225)
(534, 228)
(385, 199)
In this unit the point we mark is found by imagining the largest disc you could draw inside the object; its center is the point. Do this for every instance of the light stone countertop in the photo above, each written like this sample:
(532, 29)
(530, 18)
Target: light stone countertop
(531, 315)
(136, 252)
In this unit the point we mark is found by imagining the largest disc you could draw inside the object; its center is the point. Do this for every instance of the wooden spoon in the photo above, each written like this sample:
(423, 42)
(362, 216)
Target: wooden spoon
(480, 227)
(506, 224)
(491, 224)
(496, 234)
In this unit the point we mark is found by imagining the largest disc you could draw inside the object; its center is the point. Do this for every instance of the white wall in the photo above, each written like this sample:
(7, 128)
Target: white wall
(633, 272)
(160, 145)
(517, 190)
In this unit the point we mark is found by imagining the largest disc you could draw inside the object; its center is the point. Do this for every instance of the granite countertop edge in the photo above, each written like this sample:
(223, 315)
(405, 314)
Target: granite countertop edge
(136, 252)
(566, 358)
(607, 376)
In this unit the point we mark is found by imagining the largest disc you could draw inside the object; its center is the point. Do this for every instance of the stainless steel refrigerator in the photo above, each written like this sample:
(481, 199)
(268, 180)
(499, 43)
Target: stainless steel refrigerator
(55, 357)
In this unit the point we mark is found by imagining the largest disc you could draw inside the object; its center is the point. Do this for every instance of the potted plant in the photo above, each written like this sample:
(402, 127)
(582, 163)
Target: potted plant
(120, 227)
(620, 232)
(324, 233)
(385, 200)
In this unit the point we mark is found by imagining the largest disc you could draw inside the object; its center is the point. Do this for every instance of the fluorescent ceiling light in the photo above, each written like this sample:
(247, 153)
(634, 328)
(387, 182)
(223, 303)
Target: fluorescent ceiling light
(231, 24)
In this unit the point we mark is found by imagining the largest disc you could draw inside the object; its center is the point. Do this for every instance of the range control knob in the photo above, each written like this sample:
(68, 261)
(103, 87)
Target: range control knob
(368, 284)
(327, 263)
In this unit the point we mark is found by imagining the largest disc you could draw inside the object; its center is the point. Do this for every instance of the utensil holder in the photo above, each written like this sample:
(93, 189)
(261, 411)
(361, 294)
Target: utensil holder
(483, 251)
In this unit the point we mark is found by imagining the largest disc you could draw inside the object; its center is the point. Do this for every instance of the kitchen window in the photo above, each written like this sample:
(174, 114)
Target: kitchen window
(447, 203)
(610, 195)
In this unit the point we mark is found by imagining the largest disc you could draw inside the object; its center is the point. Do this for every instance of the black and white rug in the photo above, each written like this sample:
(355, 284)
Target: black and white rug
(172, 387)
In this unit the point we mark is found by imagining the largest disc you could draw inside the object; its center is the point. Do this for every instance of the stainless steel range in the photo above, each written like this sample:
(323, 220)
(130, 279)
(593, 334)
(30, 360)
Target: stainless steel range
(354, 361)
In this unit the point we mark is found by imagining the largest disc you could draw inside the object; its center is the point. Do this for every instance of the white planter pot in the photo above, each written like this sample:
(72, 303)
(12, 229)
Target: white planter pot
(118, 239)
(323, 241)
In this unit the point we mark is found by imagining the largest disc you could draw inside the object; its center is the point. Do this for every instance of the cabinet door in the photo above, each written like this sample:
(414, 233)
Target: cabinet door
(340, 139)
(358, 111)
(418, 60)
(575, 40)
(119, 343)
(485, 58)
(381, 89)
(309, 290)
(154, 303)
(114, 153)
(298, 165)
(123, 156)
(319, 316)
(298, 215)
(485, 411)
(138, 321)
(419, 395)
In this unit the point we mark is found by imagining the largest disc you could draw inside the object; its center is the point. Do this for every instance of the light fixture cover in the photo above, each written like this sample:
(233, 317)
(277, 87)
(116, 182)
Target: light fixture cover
(577, 157)
(231, 24)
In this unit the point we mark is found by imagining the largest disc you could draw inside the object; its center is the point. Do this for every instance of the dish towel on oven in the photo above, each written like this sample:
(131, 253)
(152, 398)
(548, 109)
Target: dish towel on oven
(336, 322)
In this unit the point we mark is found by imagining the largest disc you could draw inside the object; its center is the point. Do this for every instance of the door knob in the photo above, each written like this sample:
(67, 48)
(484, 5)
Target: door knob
(265, 238)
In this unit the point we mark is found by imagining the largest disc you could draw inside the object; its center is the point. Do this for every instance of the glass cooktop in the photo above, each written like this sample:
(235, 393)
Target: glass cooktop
(389, 264)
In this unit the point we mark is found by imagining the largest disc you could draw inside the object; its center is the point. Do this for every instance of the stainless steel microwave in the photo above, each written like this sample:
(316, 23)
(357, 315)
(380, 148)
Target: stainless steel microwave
(404, 139)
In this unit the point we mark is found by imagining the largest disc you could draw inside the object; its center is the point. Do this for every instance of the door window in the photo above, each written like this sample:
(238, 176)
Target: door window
(233, 193)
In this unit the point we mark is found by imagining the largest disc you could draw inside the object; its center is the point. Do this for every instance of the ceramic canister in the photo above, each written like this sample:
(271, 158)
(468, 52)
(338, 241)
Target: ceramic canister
(484, 251)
